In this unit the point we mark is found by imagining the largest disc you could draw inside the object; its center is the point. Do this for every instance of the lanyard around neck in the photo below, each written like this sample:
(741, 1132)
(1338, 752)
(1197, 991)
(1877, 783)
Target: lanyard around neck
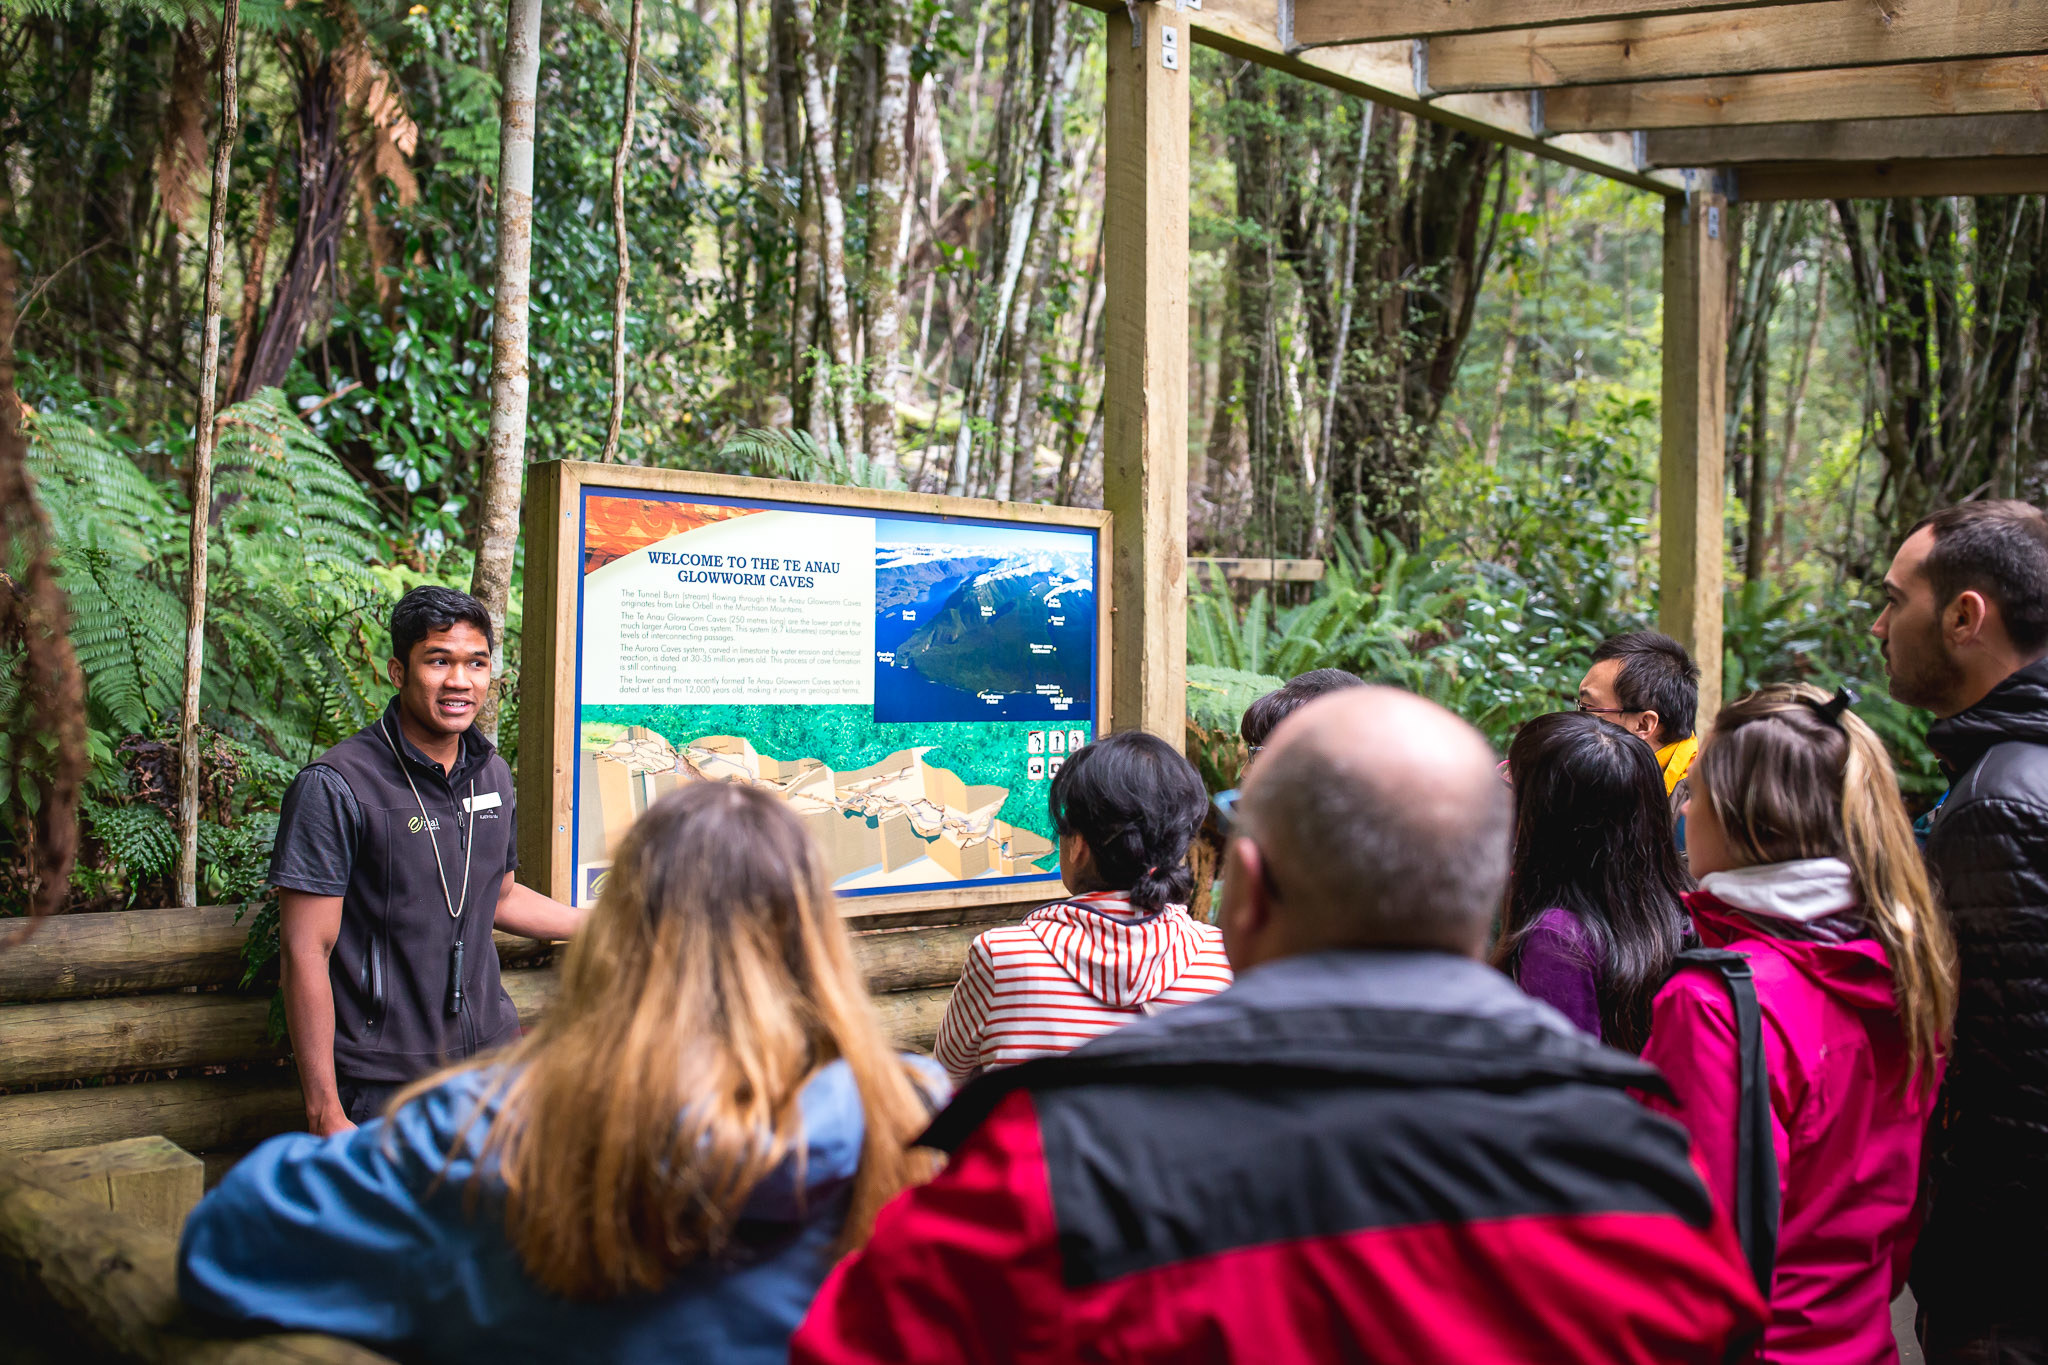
(455, 907)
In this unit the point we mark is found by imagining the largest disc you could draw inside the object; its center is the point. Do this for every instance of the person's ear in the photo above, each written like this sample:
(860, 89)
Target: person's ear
(1964, 619)
(1646, 726)
(395, 670)
(1246, 916)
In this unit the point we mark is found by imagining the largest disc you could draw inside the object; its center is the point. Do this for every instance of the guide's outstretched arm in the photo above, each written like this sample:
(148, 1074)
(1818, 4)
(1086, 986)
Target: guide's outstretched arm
(308, 926)
(526, 912)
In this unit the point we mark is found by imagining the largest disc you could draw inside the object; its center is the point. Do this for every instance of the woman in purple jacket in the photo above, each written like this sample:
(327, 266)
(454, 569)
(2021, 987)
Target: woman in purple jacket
(1594, 917)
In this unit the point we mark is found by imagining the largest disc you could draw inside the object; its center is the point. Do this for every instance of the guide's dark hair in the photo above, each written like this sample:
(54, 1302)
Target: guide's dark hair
(2000, 549)
(1268, 711)
(1656, 675)
(1136, 802)
(1593, 838)
(429, 608)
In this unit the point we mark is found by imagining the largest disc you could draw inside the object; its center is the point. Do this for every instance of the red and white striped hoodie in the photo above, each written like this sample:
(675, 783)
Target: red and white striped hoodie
(1071, 971)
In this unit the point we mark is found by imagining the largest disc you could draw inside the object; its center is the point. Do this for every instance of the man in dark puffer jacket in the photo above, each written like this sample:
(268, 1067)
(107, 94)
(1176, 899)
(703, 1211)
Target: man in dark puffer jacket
(1965, 631)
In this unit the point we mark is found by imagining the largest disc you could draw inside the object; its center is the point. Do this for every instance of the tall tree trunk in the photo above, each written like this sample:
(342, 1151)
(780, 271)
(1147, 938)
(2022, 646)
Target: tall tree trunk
(1795, 409)
(625, 275)
(1014, 425)
(252, 286)
(1757, 535)
(1348, 293)
(983, 389)
(888, 188)
(326, 170)
(1945, 293)
(505, 464)
(49, 713)
(832, 218)
(202, 467)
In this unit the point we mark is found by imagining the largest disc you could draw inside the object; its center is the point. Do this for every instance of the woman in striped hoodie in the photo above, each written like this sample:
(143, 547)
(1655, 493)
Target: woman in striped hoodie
(1123, 945)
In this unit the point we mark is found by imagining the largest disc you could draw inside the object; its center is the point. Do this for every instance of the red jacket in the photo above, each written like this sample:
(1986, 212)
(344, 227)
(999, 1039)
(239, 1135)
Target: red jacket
(1348, 1156)
(1847, 1130)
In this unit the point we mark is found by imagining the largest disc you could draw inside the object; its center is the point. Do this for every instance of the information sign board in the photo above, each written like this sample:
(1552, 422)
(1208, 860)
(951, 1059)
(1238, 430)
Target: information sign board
(907, 672)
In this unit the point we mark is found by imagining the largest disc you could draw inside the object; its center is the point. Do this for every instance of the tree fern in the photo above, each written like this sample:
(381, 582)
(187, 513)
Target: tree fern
(290, 591)
(798, 455)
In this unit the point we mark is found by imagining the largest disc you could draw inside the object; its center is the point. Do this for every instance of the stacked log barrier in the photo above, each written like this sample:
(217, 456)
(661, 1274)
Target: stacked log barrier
(80, 1279)
(101, 1001)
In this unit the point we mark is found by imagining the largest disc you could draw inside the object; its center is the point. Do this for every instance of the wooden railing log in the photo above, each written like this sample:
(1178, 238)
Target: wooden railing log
(58, 1040)
(122, 951)
(216, 1113)
(112, 1285)
(70, 957)
(199, 1113)
(72, 1039)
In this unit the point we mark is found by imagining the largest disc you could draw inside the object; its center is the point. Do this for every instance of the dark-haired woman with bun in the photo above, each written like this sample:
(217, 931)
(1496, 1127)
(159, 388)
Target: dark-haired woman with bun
(1122, 945)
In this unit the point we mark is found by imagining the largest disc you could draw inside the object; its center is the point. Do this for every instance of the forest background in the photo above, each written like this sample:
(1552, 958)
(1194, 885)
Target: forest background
(866, 246)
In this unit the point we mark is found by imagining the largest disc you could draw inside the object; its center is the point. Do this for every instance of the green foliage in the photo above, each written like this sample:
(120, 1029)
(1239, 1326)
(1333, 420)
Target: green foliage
(1531, 566)
(291, 602)
(1217, 698)
(797, 455)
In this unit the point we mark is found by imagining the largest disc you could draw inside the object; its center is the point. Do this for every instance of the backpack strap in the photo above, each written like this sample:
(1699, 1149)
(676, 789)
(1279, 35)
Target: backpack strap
(1756, 1153)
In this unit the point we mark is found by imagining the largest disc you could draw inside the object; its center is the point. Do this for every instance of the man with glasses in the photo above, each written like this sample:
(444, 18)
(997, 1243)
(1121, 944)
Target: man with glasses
(1648, 685)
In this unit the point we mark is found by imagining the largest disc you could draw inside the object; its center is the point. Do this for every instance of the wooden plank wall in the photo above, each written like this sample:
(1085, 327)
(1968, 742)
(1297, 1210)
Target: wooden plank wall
(128, 1024)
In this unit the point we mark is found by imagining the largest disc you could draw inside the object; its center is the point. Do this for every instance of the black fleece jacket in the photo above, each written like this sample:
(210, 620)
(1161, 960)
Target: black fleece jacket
(1985, 1248)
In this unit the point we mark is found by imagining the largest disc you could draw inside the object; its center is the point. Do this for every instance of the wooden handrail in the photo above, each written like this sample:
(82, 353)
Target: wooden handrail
(112, 1285)
(234, 1113)
(125, 952)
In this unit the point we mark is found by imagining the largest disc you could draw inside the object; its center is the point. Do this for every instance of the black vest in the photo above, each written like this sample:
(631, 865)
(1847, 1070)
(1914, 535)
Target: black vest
(392, 966)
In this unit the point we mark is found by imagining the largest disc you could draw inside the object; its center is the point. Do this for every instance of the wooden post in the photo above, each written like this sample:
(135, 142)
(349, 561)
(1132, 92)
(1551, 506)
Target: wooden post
(151, 1180)
(1695, 404)
(1145, 455)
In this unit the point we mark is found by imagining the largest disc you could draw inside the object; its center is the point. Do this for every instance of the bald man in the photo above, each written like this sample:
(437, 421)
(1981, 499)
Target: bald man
(1372, 1147)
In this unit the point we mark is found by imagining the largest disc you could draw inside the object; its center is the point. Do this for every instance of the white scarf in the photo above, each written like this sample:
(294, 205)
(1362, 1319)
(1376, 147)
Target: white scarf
(1803, 891)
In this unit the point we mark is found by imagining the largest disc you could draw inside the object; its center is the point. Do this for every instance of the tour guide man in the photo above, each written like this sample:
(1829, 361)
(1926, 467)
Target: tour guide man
(393, 863)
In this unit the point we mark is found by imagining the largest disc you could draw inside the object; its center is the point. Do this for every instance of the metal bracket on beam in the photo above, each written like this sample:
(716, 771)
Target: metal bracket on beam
(1285, 24)
(1418, 61)
(1639, 149)
(1137, 22)
(1537, 129)
(1699, 181)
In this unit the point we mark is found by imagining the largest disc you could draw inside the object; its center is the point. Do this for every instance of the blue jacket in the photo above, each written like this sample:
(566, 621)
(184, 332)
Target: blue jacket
(364, 1238)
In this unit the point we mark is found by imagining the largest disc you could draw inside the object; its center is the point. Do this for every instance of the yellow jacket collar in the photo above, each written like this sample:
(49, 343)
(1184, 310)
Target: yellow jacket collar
(1676, 761)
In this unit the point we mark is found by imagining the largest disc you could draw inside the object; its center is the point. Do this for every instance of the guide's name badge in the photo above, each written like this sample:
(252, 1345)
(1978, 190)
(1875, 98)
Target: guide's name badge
(487, 801)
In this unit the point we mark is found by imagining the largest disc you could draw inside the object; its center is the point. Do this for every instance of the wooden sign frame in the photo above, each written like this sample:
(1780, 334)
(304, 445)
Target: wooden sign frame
(548, 720)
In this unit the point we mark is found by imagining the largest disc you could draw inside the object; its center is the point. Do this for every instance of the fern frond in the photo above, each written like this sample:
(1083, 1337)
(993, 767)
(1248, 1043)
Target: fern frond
(797, 455)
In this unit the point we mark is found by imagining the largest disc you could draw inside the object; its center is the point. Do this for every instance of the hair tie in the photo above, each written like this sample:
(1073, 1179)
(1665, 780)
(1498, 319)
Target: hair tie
(1152, 871)
(1831, 710)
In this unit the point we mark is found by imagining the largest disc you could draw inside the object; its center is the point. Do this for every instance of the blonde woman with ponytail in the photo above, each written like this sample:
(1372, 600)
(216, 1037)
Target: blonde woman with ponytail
(1808, 869)
(664, 1170)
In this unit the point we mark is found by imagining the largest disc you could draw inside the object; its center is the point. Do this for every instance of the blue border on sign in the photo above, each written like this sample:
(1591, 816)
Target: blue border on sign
(587, 491)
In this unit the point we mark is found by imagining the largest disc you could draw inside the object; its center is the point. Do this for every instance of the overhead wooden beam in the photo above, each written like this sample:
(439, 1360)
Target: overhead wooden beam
(1834, 34)
(1892, 179)
(1929, 89)
(1145, 385)
(1314, 23)
(1695, 382)
(1858, 140)
(1385, 74)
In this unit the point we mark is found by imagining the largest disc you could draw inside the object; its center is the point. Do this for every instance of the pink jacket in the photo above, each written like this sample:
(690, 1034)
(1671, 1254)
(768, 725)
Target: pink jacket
(1848, 1140)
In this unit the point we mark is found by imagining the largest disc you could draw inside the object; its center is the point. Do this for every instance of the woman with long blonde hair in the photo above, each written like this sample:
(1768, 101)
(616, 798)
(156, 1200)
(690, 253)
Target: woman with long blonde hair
(664, 1169)
(1809, 872)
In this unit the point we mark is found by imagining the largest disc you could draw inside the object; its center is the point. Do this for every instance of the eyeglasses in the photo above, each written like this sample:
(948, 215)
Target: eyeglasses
(1586, 710)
